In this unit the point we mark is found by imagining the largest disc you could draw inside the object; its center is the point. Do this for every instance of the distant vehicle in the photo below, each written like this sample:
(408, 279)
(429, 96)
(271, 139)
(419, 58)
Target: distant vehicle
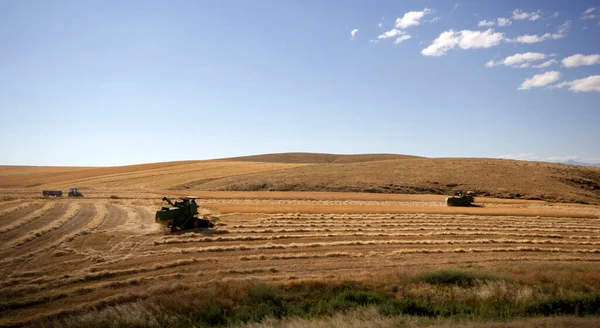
(73, 192)
(55, 193)
(466, 199)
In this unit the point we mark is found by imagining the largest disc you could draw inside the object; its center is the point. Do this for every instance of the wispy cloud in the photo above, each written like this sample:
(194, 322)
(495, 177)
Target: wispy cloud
(390, 34)
(500, 21)
(518, 14)
(402, 38)
(353, 33)
(518, 59)
(546, 64)
(465, 39)
(582, 158)
(540, 80)
(590, 13)
(561, 32)
(581, 60)
(588, 84)
(411, 18)
(485, 23)
(394, 33)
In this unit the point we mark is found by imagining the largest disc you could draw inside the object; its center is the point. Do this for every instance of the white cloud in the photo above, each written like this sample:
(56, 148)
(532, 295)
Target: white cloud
(521, 157)
(434, 19)
(533, 38)
(380, 25)
(520, 60)
(524, 57)
(485, 23)
(582, 157)
(588, 84)
(501, 21)
(581, 60)
(556, 14)
(564, 27)
(394, 33)
(353, 33)
(411, 18)
(504, 21)
(518, 14)
(391, 34)
(402, 38)
(540, 80)
(465, 39)
(491, 63)
(546, 64)
(589, 13)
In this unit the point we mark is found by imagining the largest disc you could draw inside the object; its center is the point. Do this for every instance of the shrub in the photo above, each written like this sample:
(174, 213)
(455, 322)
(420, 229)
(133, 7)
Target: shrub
(452, 277)
(575, 305)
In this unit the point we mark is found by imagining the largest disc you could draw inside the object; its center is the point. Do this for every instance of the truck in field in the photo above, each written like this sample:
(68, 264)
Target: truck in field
(55, 193)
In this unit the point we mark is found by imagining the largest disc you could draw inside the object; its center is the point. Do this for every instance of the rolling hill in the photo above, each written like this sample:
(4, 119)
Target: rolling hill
(377, 173)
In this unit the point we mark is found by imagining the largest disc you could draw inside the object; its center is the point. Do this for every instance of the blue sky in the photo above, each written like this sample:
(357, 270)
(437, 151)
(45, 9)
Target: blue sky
(124, 82)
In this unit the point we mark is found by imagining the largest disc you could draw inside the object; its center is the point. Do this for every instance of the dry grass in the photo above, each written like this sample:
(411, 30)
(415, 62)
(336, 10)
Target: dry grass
(103, 253)
(371, 318)
(315, 209)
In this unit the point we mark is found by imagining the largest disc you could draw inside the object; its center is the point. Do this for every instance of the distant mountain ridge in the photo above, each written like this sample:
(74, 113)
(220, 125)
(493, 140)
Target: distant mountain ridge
(572, 162)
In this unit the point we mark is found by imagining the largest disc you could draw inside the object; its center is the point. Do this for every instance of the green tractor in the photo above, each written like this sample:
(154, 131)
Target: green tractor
(181, 215)
(461, 199)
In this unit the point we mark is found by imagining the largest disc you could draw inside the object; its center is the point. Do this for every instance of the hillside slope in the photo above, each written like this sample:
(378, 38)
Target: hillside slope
(144, 176)
(317, 158)
(327, 172)
(493, 177)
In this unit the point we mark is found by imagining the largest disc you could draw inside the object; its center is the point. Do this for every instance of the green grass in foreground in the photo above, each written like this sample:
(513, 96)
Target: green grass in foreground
(456, 295)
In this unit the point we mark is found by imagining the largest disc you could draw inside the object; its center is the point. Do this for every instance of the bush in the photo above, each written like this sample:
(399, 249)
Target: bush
(452, 277)
(574, 305)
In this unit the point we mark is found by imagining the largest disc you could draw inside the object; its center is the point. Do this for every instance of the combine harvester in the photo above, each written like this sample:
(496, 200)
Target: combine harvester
(466, 199)
(181, 215)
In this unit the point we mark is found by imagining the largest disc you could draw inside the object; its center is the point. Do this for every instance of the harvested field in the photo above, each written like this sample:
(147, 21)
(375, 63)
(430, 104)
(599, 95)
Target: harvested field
(307, 172)
(65, 256)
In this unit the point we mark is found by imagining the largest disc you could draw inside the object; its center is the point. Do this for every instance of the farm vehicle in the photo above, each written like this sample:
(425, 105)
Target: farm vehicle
(73, 192)
(55, 193)
(461, 199)
(181, 215)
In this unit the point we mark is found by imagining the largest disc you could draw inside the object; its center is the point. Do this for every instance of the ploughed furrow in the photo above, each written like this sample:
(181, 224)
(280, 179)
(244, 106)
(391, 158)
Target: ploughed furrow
(115, 217)
(111, 253)
(72, 223)
(45, 232)
(423, 218)
(263, 237)
(31, 222)
(357, 223)
(11, 212)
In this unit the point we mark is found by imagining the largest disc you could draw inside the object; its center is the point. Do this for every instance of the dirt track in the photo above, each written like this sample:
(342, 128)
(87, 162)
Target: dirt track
(62, 255)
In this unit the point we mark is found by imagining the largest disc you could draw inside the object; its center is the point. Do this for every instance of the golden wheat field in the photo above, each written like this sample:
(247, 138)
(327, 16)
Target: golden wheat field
(294, 220)
(63, 256)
